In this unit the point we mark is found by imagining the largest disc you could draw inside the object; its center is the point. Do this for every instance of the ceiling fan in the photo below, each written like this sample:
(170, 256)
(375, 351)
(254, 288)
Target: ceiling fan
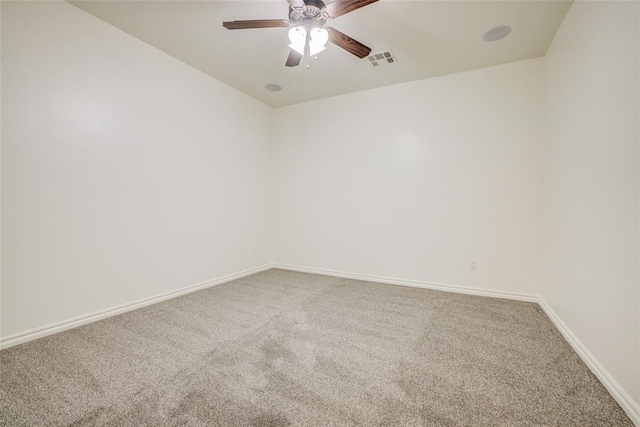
(307, 33)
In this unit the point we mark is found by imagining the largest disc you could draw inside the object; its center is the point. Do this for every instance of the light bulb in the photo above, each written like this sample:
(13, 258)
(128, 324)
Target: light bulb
(319, 38)
(298, 39)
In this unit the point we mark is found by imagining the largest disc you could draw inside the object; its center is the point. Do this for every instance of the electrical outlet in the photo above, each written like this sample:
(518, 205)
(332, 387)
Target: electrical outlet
(473, 264)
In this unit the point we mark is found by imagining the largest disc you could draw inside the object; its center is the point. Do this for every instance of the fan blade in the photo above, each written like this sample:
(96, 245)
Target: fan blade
(256, 23)
(347, 43)
(341, 7)
(296, 3)
(293, 60)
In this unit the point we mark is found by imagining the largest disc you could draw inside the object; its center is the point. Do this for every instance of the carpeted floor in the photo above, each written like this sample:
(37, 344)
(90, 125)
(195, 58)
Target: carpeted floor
(281, 348)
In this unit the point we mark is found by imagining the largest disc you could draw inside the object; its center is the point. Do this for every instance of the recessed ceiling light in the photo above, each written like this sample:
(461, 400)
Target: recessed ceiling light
(272, 87)
(497, 33)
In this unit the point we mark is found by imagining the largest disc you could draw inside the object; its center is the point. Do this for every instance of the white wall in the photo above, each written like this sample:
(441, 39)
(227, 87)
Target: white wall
(125, 173)
(591, 173)
(413, 181)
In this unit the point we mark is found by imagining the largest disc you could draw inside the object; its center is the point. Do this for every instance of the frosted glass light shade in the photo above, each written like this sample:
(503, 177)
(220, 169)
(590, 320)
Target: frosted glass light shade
(319, 39)
(298, 39)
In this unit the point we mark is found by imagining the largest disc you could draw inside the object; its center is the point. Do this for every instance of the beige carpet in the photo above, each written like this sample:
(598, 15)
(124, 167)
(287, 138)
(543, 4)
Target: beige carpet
(282, 348)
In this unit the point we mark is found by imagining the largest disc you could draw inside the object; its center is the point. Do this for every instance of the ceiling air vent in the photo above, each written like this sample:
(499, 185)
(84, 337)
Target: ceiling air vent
(382, 58)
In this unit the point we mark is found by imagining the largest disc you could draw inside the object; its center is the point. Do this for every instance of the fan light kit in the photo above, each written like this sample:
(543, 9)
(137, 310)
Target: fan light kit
(307, 34)
(315, 40)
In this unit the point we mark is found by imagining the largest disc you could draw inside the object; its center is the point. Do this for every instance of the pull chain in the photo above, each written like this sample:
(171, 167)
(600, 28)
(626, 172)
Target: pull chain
(307, 49)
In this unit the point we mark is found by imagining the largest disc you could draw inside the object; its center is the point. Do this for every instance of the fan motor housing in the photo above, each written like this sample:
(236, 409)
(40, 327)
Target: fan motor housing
(309, 15)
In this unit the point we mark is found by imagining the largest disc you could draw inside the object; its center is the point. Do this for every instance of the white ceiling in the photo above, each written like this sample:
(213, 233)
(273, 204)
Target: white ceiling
(428, 38)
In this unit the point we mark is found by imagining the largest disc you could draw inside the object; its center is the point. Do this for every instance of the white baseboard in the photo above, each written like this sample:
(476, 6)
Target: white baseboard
(53, 328)
(413, 283)
(631, 407)
(619, 394)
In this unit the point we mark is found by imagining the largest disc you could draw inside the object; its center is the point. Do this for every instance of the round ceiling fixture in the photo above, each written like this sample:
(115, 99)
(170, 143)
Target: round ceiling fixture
(497, 33)
(272, 87)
